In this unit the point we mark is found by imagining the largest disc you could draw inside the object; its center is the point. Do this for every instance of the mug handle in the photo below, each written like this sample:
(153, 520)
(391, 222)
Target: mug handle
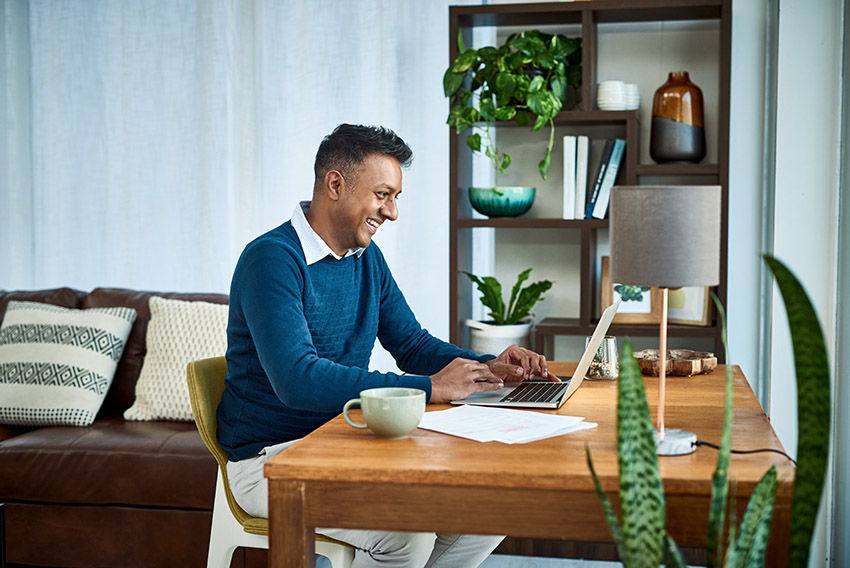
(345, 408)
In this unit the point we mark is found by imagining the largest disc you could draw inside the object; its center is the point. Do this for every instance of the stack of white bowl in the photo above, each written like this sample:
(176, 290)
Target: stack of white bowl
(617, 95)
(632, 97)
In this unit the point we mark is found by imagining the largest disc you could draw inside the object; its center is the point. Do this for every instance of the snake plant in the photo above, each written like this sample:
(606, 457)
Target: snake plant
(641, 537)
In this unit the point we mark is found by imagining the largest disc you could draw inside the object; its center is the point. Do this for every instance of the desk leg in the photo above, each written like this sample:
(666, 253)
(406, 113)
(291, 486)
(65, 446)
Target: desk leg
(291, 542)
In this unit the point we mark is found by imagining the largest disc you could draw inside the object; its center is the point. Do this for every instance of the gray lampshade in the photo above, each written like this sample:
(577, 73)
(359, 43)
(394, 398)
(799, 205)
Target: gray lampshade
(666, 236)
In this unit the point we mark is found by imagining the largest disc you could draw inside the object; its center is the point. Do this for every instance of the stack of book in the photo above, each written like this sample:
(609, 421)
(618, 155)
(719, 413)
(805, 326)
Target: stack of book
(588, 198)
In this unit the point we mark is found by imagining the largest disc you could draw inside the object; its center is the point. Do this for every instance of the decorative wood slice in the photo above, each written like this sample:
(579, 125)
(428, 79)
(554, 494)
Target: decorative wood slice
(679, 362)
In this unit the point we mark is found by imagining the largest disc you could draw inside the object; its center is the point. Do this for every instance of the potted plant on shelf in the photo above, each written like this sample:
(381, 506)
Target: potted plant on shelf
(527, 80)
(511, 322)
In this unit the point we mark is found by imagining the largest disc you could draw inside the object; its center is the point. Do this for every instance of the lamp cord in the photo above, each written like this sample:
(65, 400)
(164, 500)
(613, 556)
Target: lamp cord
(716, 447)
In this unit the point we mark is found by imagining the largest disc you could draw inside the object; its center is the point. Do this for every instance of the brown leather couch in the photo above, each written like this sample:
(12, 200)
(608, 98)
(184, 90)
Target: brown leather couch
(116, 493)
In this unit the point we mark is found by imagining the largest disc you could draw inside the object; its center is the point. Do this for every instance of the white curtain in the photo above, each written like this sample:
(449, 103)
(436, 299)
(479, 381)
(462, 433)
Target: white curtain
(147, 141)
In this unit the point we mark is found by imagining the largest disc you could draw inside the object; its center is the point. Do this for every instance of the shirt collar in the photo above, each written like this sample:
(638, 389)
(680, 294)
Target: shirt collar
(315, 249)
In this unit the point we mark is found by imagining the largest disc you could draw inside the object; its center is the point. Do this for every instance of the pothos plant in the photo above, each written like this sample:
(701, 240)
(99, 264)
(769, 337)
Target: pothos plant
(521, 301)
(641, 536)
(529, 75)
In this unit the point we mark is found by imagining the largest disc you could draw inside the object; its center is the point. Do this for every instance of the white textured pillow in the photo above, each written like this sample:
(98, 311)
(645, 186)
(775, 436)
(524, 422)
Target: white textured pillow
(56, 364)
(178, 332)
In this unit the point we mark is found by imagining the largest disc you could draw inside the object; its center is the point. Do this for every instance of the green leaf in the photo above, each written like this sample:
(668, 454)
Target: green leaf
(505, 113)
(452, 82)
(720, 479)
(474, 142)
(523, 276)
(461, 47)
(536, 84)
(528, 296)
(672, 555)
(505, 85)
(539, 122)
(559, 88)
(607, 509)
(522, 117)
(641, 493)
(755, 526)
(491, 292)
(813, 409)
(505, 163)
(487, 109)
(465, 61)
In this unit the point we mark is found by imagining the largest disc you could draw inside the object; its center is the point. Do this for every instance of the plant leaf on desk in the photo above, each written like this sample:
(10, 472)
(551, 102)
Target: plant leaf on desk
(813, 409)
(751, 546)
(720, 479)
(607, 509)
(641, 493)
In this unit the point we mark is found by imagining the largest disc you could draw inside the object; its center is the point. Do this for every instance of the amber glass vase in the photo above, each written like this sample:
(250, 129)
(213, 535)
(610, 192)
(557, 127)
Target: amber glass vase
(677, 134)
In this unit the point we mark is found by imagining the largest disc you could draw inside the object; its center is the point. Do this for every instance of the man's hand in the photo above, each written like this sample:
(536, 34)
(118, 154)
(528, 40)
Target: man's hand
(461, 378)
(518, 364)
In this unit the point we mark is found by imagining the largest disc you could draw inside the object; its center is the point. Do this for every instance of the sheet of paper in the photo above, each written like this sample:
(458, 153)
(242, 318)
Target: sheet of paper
(489, 424)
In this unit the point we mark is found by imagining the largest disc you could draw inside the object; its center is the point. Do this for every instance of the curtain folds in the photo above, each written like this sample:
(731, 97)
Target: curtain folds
(147, 142)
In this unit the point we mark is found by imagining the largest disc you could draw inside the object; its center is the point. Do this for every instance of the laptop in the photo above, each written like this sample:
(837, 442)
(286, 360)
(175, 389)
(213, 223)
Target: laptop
(544, 393)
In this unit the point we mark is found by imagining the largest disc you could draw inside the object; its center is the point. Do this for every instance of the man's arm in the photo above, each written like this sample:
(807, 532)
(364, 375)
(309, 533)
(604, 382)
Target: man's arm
(270, 281)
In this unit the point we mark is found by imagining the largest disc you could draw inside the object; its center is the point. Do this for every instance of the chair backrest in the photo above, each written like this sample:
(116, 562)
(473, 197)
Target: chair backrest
(206, 385)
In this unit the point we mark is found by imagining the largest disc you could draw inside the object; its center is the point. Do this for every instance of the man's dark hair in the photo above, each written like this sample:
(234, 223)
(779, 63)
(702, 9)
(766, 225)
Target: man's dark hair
(349, 145)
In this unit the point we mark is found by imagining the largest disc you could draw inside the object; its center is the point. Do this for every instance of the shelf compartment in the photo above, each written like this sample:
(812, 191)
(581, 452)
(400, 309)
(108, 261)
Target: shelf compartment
(572, 326)
(530, 223)
(678, 170)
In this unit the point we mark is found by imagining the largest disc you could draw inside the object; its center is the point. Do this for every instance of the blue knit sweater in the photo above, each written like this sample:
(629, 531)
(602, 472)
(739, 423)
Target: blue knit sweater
(300, 338)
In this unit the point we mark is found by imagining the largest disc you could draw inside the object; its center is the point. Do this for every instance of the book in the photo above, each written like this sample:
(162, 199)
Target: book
(593, 194)
(569, 208)
(582, 153)
(600, 208)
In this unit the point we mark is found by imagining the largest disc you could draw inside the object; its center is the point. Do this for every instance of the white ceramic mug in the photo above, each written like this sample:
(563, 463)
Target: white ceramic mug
(390, 412)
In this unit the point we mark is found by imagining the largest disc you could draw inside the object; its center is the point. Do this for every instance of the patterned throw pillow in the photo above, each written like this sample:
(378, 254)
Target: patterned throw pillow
(56, 364)
(179, 332)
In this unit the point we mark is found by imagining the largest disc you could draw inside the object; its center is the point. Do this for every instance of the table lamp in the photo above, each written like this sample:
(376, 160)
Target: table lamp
(667, 237)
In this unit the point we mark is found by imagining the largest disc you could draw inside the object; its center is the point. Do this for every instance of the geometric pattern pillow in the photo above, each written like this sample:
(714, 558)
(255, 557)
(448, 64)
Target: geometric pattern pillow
(56, 364)
(179, 332)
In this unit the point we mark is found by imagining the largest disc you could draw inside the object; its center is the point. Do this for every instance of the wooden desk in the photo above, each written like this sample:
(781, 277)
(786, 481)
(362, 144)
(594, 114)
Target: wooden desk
(342, 477)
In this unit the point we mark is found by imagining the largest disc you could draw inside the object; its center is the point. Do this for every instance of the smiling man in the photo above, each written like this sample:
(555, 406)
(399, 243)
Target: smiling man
(307, 301)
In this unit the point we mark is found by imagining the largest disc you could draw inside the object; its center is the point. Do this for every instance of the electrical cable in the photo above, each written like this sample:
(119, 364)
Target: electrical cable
(780, 452)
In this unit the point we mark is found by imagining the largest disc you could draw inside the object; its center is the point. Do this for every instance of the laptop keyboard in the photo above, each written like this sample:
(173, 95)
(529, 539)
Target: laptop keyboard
(536, 391)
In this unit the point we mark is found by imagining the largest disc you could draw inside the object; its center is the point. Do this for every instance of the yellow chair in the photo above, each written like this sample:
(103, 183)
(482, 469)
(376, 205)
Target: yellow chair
(232, 527)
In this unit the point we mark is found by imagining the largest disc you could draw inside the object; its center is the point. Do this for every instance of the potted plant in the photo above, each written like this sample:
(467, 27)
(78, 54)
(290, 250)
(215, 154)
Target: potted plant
(511, 322)
(641, 537)
(527, 78)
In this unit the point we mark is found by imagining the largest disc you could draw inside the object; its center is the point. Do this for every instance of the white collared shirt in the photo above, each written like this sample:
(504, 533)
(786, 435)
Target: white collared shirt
(315, 248)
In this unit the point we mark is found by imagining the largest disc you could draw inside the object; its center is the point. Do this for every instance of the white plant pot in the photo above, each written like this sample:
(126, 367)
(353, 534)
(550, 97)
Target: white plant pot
(493, 339)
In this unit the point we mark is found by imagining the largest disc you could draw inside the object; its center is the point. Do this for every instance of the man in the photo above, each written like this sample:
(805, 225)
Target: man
(307, 301)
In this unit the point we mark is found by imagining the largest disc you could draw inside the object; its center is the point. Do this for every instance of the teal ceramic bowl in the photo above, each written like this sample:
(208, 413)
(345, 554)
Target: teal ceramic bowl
(501, 201)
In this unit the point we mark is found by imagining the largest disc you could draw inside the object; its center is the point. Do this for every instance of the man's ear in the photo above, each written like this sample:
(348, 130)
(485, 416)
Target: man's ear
(334, 185)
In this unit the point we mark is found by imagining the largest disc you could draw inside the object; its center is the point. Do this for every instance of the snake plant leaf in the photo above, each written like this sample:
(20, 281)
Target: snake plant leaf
(755, 526)
(641, 493)
(720, 479)
(608, 510)
(672, 554)
(813, 409)
(731, 560)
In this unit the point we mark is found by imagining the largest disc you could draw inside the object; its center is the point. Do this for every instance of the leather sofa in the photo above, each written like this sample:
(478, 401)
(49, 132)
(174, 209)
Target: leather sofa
(116, 493)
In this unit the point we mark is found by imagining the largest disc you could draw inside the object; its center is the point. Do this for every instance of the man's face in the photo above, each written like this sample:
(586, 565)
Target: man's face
(362, 209)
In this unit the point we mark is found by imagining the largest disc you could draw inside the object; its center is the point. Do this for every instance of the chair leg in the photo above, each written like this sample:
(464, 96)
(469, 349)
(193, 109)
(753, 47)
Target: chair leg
(227, 534)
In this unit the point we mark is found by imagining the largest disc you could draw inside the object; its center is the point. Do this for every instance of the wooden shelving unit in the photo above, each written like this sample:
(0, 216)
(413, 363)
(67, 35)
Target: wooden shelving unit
(589, 15)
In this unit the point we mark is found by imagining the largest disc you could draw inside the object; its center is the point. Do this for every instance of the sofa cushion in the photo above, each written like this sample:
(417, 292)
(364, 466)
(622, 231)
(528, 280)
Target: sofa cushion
(123, 391)
(179, 332)
(56, 364)
(157, 464)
